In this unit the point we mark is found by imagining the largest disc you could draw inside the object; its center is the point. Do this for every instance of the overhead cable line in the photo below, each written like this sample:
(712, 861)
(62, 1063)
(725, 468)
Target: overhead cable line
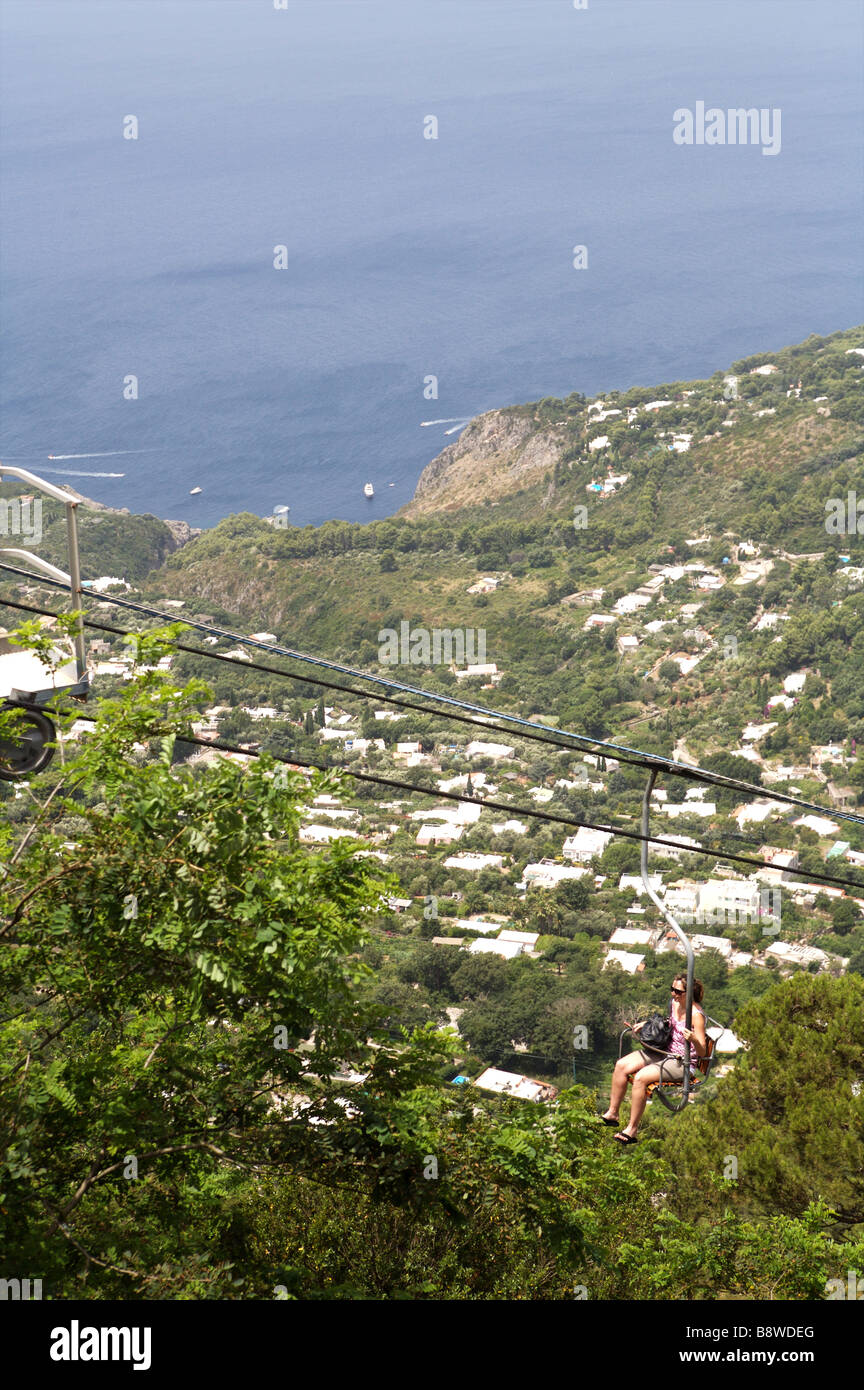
(317, 681)
(222, 746)
(649, 760)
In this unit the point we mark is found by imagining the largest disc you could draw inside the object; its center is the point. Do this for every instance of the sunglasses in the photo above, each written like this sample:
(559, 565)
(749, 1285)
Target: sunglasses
(679, 991)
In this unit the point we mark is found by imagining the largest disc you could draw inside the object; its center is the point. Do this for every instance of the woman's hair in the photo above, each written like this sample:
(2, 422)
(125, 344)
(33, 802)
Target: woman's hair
(698, 988)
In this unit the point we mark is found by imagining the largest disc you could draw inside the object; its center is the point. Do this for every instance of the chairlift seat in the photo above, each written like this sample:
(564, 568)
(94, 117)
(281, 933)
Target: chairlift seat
(703, 1064)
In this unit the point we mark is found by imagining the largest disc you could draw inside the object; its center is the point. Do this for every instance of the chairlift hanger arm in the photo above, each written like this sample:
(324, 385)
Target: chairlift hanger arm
(681, 935)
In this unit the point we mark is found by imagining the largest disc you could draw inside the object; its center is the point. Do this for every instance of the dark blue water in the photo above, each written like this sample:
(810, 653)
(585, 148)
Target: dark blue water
(407, 257)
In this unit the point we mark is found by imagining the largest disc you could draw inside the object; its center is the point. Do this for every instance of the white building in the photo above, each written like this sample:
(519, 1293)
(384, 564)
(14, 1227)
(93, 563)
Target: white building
(528, 939)
(477, 749)
(585, 844)
(795, 683)
(541, 794)
(752, 733)
(753, 813)
(721, 898)
(508, 1083)
(777, 862)
(820, 824)
(682, 898)
(487, 585)
(629, 603)
(672, 851)
(488, 669)
(711, 943)
(795, 953)
(322, 834)
(445, 834)
(549, 875)
(508, 949)
(632, 936)
(478, 925)
(473, 863)
(628, 960)
(633, 883)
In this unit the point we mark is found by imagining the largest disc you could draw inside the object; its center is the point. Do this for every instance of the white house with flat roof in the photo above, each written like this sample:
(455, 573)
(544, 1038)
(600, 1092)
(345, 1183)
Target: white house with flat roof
(632, 936)
(512, 827)
(820, 824)
(528, 939)
(445, 834)
(477, 924)
(508, 1083)
(496, 947)
(633, 882)
(794, 683)
(473, 863)
(795, 953)
(478, 749)
(585, 844)
(322, 834)
(629, 962)
(549, 875)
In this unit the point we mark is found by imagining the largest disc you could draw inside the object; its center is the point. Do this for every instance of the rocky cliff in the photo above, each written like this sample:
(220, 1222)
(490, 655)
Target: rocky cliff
(498, 453)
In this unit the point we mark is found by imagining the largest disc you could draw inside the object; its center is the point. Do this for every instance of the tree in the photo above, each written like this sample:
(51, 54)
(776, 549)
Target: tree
(789, 1113)
(844, 916)
(165, 968)
(573, 894)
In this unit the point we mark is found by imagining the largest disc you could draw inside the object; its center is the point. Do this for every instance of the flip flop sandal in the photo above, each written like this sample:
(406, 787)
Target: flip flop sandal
(625, 1138)
(609, 1122)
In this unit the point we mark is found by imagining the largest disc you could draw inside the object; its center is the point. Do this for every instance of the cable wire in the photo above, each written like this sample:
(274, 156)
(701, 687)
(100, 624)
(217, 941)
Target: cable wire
(222, 746)
(648, 760)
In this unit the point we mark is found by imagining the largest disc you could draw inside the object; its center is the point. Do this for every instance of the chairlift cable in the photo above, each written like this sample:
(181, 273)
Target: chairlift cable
(649, 760)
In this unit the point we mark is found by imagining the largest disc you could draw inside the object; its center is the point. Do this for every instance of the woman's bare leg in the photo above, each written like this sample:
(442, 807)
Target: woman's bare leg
(623, 1068)
(641, 1081)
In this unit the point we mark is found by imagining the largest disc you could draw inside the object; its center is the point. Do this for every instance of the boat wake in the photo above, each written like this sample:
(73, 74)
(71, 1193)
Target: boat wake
(106, 454)
(79, 473)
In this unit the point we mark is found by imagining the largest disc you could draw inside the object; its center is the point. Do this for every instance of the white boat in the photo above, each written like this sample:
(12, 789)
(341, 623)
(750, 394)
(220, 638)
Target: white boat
(193, 491)
(368, 490)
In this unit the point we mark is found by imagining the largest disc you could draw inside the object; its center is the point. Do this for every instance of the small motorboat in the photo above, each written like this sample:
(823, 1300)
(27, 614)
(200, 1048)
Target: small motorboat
(368, 490)
(194, 491)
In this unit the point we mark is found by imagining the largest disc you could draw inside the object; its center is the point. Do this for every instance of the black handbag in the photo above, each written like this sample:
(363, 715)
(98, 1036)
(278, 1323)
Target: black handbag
(656, 1032)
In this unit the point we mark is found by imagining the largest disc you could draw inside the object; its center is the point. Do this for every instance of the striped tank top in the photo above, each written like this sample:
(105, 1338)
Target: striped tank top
(679, 1042)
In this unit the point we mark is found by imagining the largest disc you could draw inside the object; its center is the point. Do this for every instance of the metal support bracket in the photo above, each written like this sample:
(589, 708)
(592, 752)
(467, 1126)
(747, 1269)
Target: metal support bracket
(682, 937)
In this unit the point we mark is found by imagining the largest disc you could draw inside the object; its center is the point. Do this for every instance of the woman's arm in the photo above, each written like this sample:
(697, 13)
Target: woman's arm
(697, 1036)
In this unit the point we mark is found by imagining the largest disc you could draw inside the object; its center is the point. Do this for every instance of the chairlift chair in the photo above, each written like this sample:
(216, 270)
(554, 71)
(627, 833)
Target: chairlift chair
(713, 1030)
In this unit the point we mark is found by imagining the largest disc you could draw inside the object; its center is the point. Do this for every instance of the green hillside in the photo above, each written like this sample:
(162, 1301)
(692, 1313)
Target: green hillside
(286, 995)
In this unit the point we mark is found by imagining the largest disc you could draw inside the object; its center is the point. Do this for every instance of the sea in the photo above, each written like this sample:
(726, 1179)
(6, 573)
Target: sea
(251, 246)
